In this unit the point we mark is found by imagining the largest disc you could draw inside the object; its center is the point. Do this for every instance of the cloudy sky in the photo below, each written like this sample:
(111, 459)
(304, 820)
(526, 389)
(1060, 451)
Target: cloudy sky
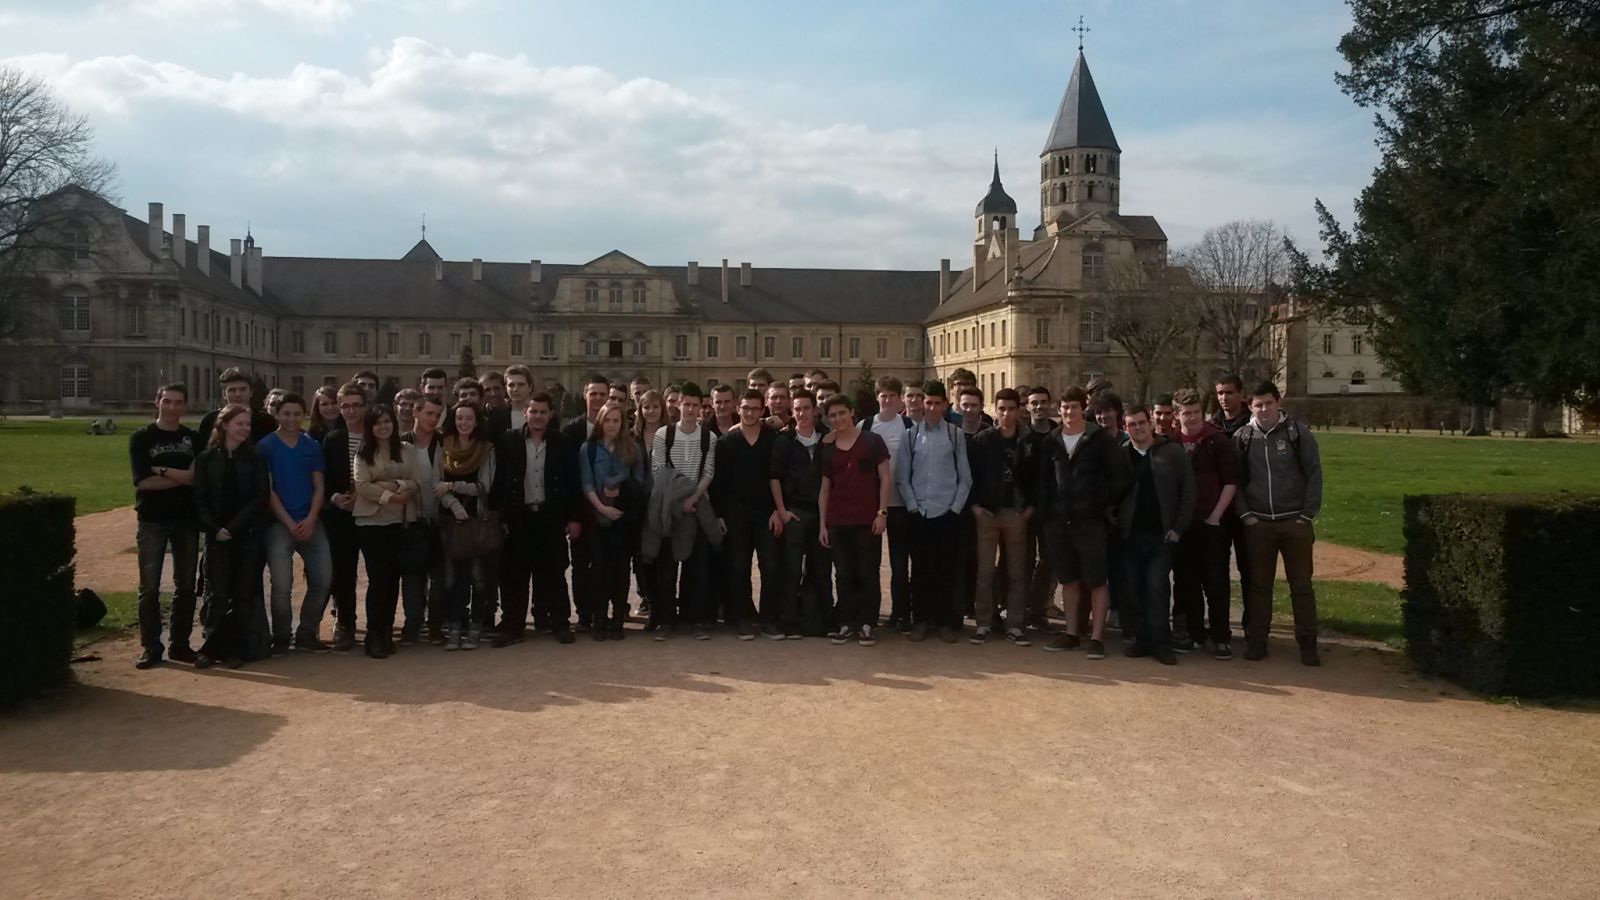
(803, 134)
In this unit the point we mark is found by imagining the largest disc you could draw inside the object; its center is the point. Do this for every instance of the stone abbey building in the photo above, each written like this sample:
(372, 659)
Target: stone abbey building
(135, 303)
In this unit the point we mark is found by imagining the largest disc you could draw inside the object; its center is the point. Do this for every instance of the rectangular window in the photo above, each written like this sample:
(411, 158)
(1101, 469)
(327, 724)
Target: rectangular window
(135, 318)
(486, 345)
(1355, 344)
(855, 349)
(769, 347)
(1002, 332)
(1041, 333)
(549, 346)
(680, 346)
(883, 348)
(394, 343)
(991, 334)
(297, 342)
(911, 348)
(741, 347)
(825, 348)
(713, 347)
(361, 343)
(797, 348)
(424, 344)
(75, 382)
(182, 324)
(297, 384)
(194, 322)
(1327, 344)
(330, 342)
(516, 345)
(455, 343)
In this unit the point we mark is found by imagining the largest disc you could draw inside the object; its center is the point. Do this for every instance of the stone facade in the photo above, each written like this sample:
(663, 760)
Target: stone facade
(1326, 358)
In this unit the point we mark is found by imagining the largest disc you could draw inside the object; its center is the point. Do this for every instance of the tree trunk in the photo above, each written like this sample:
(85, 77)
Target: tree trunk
(1479, 424)
(1536, 420)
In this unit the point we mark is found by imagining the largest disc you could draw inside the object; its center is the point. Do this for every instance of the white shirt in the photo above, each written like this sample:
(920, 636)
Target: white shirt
(1070, 441)
(893, 433)
(533, 479)
(685, 452)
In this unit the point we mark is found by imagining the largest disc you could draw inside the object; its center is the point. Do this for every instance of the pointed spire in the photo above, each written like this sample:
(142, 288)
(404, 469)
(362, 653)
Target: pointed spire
(1081, 120)
(998, 202)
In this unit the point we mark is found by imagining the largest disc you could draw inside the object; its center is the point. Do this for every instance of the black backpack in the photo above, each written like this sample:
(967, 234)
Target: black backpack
(705, 450)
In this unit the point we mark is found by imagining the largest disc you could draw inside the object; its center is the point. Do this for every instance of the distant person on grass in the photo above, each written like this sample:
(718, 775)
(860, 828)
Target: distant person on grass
(296, 465)
(163, 455)
(1280, 494)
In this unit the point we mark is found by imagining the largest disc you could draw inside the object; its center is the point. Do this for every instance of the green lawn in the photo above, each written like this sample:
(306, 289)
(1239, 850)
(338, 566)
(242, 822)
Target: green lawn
(57, 456)
(122, 614)
(1361, 609)
(1366, 477)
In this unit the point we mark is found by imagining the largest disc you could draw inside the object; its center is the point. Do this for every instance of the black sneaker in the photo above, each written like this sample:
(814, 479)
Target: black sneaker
(902, 625)
(841, 635)
(919, 632)
(1223, 651)
(772, 633)
(280, 647)
(1136, 650)
(503, 639)
(1308, 652)
(1062, 642)
(1019, 637)
(599, 634)
(1096, 650)
(202, 661)
(1254, 650)
(1167, 658)
(343, 639)
(565, 636)
(950, 634)
(979, 635)
(1182, 644)
(747, 632)
(867, 638)
(182, 653)
(311, 645)
(149, 659)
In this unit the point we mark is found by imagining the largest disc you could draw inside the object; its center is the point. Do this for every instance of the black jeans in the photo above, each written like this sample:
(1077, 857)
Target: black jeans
(345, 549)
(611, 552)
(536, 558)
(383, 547)
(1200, 581)
(230, 567)
(1147, 565)
(899, 534)
(155, 539)
(747, 534)
(857, 554)
(806, 564)
(937, 570)
(687, 600)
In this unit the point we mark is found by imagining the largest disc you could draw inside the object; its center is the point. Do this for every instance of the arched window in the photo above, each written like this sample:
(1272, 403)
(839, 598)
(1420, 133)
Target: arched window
(640, 344)
(1091, 191)
(614, 296)
(591, 342)
(1358, 377)
(1094, 261)
(591, 297)
(1092, 327)
(1327, 373)
(639, 295)
(75, 381)
(74, 309)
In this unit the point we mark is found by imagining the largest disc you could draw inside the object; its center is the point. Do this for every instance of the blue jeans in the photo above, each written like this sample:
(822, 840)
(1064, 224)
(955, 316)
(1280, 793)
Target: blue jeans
(470, 585)
(154, 539)
(1147, 567)
(318, 560)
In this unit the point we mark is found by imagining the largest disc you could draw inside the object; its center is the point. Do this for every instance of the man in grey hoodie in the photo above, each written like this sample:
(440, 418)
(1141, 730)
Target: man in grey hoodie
(1280, 494)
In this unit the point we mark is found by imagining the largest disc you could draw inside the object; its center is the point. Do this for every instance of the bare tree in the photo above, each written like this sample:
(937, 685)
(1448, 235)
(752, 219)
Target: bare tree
(1148, 311)
(45, 150)
(1238, 270)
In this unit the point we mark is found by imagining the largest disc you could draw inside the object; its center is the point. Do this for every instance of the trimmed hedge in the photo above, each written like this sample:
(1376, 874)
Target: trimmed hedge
(1503, 591)
(37, 609)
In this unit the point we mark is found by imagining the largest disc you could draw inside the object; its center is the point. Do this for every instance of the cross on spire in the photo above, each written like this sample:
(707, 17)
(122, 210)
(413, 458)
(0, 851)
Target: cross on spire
(424, 226)
(1082, 30)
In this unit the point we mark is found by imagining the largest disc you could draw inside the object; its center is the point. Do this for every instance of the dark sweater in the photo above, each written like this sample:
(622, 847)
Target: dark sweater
(742, 472)
(796, 471)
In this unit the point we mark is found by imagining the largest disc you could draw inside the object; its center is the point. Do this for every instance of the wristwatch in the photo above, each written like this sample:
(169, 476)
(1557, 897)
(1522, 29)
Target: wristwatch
(884, 513)
(162, 471)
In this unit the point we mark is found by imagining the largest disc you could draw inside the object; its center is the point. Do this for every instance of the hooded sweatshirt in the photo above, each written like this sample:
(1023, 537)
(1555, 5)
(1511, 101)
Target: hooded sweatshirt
(1280, 471)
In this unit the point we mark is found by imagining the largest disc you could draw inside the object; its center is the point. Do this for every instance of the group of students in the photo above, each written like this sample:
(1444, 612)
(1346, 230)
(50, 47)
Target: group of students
(468, 510)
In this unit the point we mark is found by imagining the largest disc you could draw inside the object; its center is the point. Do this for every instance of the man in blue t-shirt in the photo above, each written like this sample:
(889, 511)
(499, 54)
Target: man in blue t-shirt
(295, 463)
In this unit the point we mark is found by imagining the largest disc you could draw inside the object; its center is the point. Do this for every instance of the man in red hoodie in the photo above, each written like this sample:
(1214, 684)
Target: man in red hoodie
(1200, 570)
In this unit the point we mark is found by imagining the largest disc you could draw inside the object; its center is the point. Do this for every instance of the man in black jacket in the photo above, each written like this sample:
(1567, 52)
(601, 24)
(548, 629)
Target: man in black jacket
(1003, 484)
(536, 491)
(742, 496)
(796, 481)
(1042, 582)
(339, 451)
(236, 389)
(596, 391)
(1083, 475)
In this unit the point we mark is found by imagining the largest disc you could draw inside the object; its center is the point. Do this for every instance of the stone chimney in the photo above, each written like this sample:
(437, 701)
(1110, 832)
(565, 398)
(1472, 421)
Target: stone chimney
(157, 226)
(202, 259)
(980, 256)
(693, 276)
(236, 262)
(438, 270)
(252, 271)
(944, 279)
(180, 239)
(477, 269)
(1013, 248)
(724, 281)
(535, 272)
(745, 275)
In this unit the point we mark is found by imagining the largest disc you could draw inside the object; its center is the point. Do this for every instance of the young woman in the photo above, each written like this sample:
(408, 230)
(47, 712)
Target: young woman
(325, 415)
(466, 472)
(611, 467)
(230, 492)
(386, 499)
(650, 417)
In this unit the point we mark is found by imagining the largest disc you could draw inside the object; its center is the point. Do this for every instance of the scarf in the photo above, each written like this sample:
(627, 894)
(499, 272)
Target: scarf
(464, 461)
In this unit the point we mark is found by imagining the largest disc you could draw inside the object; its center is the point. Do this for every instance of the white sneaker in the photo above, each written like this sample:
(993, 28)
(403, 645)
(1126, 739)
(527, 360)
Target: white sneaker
(867, 638)
(842, 635)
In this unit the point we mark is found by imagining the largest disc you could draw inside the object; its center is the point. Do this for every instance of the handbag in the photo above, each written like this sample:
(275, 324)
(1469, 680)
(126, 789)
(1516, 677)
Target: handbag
(475, 536)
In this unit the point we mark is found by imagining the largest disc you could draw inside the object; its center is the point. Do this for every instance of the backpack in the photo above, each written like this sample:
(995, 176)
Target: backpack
(705, 450)
(1292, 433)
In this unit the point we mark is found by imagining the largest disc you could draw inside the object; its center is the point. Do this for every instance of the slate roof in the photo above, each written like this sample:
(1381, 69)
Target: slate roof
(998, 202)
(421, 252)
(219, 283)
(1081, 120)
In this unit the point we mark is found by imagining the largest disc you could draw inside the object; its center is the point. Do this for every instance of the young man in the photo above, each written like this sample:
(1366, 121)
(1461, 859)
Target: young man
(162, 455)
(825, 390)
(274, 397)
(1200, 568)
(1042, 584)
(236, 389)
(1280, 494)
(1165, 416)
(758, 379)
(725, 415)
(1083, 476)
(914, 401)
(778, 406)
(433, 382)
(1152, 518)
(853, 505)
(814, 378)
(422, 586)
(519, 387)
(891, 426)
(536, 491)
(742, 496)
(637, 388)
(961, 378)
(934, 478)
(673, 398)
(796, 483)
(467, 390)
(969, 403)
(797, 382)
(596, 391)
(368, 382)
(683, 462)
(405, 409)
(496, 405)
(1107, 407)
(296, 465)
(1232, 413)
(1003, 484)
(339, 451)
